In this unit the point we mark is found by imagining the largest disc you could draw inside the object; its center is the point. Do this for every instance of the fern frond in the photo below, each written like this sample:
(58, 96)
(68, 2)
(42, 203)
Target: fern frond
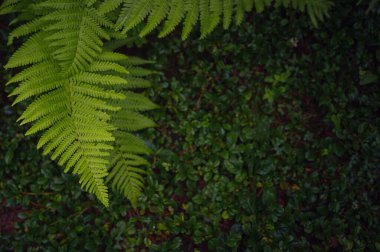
(239, 11)
(136, 102)
(34, 50)
(101, 66)
(175, 16)
(126, 165)
(109, 5)
(208, 12)
(26, 29)
(227, 13)
(126, 172)
(9, 6)
(34, 71)
(157, 15)
(70, 79)
(132, 121)
(215, 15)
(204, 16)
(101, 79)
(133, 13)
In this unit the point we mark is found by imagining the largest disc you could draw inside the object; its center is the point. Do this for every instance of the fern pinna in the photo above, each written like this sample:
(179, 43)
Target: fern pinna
(80, 92)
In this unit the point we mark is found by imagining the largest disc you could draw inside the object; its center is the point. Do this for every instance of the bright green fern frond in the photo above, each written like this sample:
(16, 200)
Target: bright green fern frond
(69, 80)
(76, 34)
(34, 50)
(35, 71)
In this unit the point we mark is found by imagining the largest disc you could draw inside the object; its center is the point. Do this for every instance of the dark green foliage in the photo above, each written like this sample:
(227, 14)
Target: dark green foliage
(269, 142)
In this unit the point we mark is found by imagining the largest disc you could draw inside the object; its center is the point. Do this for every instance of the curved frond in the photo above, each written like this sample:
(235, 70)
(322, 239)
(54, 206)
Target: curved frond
(69, 80)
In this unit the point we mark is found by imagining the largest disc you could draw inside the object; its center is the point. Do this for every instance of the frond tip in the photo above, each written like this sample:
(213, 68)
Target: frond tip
(126, 166)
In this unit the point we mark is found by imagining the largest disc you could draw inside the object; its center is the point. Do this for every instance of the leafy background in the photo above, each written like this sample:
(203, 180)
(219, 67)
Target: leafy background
(267, 140)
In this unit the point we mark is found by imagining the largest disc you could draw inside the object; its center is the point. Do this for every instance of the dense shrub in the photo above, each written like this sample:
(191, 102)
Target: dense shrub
(268, 140)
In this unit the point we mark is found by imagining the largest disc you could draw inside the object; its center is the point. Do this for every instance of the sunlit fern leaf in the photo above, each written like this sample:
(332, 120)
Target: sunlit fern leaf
(34, 70)
(70, 81)
(34, 50)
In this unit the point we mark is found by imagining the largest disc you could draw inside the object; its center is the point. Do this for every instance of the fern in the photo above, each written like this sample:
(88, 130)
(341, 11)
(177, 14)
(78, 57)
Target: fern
(208, 12)
(79, 90)
(126, 174)
(125, 166)
(74, 84)
(10, 6)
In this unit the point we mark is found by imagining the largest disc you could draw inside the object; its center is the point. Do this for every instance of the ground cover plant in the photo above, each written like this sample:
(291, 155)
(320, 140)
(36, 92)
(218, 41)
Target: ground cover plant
(267, 139)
